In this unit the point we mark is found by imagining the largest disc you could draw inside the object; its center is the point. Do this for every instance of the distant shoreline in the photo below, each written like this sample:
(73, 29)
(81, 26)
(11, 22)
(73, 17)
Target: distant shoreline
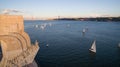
(106, 19)
(99, 19)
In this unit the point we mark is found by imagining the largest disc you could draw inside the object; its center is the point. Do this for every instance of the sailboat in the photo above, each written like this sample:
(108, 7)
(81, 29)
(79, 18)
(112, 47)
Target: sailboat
(119, 45)
(84, 31)
(36, 26)
(47, 45)
(93, 47)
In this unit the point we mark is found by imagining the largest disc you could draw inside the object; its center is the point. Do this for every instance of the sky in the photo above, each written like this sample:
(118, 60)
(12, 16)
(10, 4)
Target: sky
(63, 8)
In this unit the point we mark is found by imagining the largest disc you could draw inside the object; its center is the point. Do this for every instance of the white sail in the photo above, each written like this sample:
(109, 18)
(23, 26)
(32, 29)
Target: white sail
(47, 45)
(36, 26)
(93, 47)
(83, 30)
(119, 45)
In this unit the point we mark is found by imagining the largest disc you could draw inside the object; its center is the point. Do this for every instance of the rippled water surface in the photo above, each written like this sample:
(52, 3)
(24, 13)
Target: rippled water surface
(62, 43)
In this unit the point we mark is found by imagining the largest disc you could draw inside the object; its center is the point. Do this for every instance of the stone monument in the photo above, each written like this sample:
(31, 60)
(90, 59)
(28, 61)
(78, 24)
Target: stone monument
(16, 49)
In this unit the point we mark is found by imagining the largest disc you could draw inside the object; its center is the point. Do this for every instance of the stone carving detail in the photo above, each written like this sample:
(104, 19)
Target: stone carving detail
(16, 48)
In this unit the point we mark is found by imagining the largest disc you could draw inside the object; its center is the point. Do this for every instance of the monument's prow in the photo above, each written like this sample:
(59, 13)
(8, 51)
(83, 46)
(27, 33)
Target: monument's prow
(16, 49)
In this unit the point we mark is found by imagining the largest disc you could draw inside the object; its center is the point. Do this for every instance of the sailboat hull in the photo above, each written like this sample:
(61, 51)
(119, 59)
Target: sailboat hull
(93, 47)
(91, 50)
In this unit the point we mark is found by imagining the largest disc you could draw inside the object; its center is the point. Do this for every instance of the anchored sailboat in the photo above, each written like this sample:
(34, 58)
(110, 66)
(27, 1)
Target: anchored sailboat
(36, 26)
(93, 47)
(84, 31)
(119, 45)
(47, 45)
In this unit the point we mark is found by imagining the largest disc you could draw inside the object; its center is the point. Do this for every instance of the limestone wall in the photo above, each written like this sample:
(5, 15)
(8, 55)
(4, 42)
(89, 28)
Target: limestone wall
(12, 32)
(15, 42)
(11, 23)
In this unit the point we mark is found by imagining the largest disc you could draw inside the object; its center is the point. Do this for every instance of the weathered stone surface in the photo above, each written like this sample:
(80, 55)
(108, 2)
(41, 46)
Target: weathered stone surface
(15, 43)
(11, 23)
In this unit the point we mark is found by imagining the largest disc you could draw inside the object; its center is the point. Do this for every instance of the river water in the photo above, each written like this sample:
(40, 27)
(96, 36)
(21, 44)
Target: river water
(62, 43)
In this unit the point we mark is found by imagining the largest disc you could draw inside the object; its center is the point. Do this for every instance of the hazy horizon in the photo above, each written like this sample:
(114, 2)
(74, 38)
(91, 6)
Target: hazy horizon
(47, 9)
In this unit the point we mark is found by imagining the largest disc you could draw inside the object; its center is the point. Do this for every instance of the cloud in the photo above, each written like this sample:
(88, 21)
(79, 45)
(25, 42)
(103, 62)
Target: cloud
(9, 11)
